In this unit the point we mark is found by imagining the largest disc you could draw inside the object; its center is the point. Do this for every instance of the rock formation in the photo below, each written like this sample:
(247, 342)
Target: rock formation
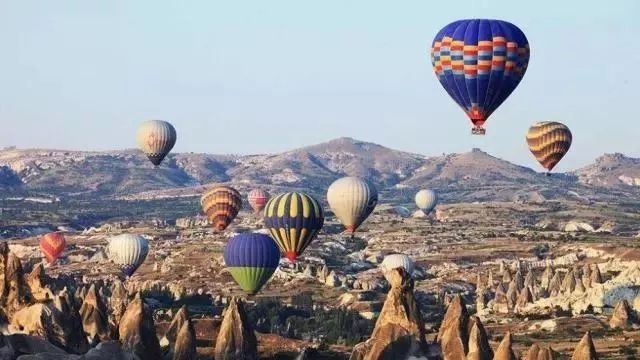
(500, 303)
(479, 348)
(37, 282)
(490, 281)
(93, 313)
(623, 316)
(504, 351)
(530, 280)
(185, 345)
(568, 283)
(17, 292)
(512, 294)
(399, 331)
(519, 279)
(117, 306)
(547, 275)
(525, 298)
(506, 276)
(540, 353)
(70, 336)
(453, 332)
(236, 339)
(180, 318)
(555, 285)
(138, 333)
(585, 350)
(596, 276)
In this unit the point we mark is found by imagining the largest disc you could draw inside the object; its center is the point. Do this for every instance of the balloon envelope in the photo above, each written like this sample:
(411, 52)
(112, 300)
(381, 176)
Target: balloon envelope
(258, 199)
(352, 200)
(294, 219)
(479, 63)
(128, 251)
(52, 246)
(394, 261)
(549, 141)
(221, 204)
(251, 259)
(156, 138)
(426, 200)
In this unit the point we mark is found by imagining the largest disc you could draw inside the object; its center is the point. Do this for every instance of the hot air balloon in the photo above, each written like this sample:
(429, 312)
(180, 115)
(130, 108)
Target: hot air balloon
(221, 204)
(352, 200)
(251, 259)
(156, 138)
(426, 200)
(394, 261)
(549, 141)
(129, 251)
(258, 199)
(479, 63)
(52, 246)
(293, 219)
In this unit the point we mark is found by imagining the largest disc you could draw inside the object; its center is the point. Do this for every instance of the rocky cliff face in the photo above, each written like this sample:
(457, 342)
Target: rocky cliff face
(399, 331)
(236, 338)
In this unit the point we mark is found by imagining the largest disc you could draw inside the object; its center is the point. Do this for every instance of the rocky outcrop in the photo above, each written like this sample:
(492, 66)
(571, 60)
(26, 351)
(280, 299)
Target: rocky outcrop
(504, 351)
(37, 282)
(452, 335)
(57, 323)
(399, 331)
(555, 285)
(138, 333)
(93, 313)
(185, 345)
(519, 280)
(512, 295)
(623, 316)
(17, 292)
(236, 339)
(596, 276)
(506, 276)
(568, 283)
(547, 275)
(525, 298)
(500, 303)
(585, 350)
(117, 306)
(479, 348)
(540, 353)
(180, 318)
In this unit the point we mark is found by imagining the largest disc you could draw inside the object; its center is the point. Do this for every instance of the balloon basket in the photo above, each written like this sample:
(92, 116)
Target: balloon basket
(478, 131)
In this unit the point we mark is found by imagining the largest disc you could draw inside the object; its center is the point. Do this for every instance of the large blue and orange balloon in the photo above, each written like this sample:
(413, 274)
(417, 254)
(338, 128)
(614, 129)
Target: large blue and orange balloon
(251, 259)
(479, 63)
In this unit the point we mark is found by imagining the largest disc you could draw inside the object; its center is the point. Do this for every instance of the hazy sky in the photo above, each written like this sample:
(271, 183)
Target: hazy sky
(266, 76)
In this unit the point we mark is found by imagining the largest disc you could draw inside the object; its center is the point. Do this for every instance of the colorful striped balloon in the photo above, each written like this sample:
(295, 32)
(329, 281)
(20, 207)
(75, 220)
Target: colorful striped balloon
(252, 259)
(52, 246)
(156, 138)
(221, 204)
(352, 200)
(129, 251)
(258, 199)
(549, 141)
(294, 219)
(479, 63)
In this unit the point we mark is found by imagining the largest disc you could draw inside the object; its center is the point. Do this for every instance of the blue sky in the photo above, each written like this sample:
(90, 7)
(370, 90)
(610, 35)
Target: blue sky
(267, 76)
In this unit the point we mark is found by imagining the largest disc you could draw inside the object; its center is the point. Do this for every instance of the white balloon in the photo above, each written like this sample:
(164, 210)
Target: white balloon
(394, 261)
(156, 138)
(352, 200)
(128, 250)
(426, 200)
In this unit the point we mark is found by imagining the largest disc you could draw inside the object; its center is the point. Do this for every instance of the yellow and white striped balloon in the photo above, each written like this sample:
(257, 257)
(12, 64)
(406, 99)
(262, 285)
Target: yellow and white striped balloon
(394, 261)
(156, 138)
(129, 251)
(352, 200)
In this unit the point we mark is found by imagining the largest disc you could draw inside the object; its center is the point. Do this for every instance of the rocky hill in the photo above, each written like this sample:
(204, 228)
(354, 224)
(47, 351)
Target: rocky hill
(474, 175)
(611, 170)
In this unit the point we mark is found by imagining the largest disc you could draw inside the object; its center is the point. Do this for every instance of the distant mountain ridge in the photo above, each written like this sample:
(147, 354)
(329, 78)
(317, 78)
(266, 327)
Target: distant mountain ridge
(128, 173)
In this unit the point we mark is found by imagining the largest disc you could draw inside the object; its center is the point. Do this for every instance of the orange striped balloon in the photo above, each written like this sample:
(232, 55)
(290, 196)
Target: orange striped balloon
(549, 141)
(52, 246)
(221, 205)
